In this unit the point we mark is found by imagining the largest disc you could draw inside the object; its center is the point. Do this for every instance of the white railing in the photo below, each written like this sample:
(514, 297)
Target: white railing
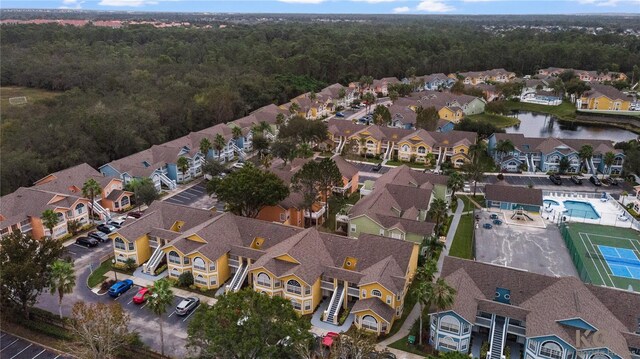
(387, 155)
(167, 181)
(239, 151)
(593, 167)
(325, 314)
(97, 208)
(315, 215)
(326, 285)
(238, 278)
(150, 266)
(354, 292)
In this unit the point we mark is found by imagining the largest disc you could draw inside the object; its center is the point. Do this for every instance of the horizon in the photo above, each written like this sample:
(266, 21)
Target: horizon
(342, 7)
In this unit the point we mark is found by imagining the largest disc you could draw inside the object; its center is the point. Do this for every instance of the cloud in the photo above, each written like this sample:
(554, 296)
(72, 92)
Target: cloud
(303, 1)
(375, 1)
(71, 4)
(132, 3)
(434, 6)
(400, 10)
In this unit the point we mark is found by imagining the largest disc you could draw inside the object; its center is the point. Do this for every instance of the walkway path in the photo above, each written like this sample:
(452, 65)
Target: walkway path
(415, 312)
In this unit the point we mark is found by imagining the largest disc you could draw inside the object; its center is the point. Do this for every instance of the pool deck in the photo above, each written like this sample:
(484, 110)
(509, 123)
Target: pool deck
(607, 210)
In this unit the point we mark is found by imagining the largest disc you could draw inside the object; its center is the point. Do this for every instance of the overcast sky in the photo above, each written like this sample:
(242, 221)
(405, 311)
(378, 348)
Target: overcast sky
(344, 6)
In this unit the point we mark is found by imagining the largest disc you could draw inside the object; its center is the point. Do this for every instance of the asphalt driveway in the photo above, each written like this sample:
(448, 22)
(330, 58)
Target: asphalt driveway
(196, 196)
(12, 347)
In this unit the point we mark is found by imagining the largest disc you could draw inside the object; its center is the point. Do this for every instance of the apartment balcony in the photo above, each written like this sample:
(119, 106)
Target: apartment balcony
(483, 322)
(315, 214)
(326, 285)
(517, 330)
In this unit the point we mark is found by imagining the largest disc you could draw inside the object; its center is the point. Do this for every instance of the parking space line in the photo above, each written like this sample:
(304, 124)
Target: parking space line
(174, 312)
(190, 314)
(131, 301)
(144, 305)
(2, 336)
(9, 345)
(37, 355)
(20, 352)
(77, 245)
(57, 356)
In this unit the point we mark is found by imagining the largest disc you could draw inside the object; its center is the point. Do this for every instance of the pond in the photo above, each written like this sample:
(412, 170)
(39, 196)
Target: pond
(542, 125)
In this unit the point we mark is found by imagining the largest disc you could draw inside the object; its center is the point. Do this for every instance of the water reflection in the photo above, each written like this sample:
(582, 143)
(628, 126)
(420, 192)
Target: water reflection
(542, 125)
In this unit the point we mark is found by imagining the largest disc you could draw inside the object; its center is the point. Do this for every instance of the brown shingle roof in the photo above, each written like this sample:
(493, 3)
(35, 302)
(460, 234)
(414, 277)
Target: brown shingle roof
(512, 194)
(376, 305)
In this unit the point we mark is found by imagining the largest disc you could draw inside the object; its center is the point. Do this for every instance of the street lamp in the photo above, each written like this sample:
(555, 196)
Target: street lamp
(113, 267)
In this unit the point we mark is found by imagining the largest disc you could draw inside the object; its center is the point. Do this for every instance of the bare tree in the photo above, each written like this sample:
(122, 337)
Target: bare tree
(99, 330)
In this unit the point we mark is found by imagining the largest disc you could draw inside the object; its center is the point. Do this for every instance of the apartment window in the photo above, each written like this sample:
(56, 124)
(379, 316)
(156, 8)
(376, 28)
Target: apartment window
(80, 208)
(466, 328)
(353, 228)
(296, 305)
(369, 322)
(389, 299)
(551, 350)
(212, 266)
(277, 283)
(174, 258)
(283, 217)
(307, 305)
(307, 290)
(450, 324)
(448, 343)
(422, 150)
(382, 232)
(293, 286)
(119, 243)
(200, 279)
(364, 293)
(405, 148)
(186, 260)
(198, 263)
(131, 246)
(213, 280)
(531, 345)
(376, 293)
(264, 280)
(464, 344)
(174, 272)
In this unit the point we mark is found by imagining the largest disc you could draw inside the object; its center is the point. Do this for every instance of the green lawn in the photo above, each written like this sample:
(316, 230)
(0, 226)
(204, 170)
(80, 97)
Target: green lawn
(468, 205)
(97, 276)
(499, 121)
(31, 94)
(565, 111)
(462, 242)
(410, 164)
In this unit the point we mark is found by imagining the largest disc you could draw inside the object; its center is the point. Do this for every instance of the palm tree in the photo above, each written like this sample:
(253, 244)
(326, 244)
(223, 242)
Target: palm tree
(585, 153)
(438, 212)
(312, 96)
(219, 143)
(442, 295)
(261, 128)
(424, 281)
(160, 299)
(90, 189)
(433, 246)
(63, 280)
(608, 160)
(455, 182)
(294, 108)
(370, 99)
(393, 95)
(205, 146)
(363, 148)
(503, 147)
(342, 93)
(236, 132)
(279, 120)
(183, 166)
(477, 150)
(50, 219)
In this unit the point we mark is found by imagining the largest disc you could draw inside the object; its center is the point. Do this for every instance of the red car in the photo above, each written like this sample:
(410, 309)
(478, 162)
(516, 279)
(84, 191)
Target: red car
(141, 296)
(329, 338)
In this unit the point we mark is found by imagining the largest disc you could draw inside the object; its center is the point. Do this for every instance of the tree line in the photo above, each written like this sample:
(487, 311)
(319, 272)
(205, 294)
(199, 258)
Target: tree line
(126, 89)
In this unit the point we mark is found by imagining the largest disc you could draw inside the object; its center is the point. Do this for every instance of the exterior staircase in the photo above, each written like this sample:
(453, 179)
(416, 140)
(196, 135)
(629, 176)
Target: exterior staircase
(387, 155)
(530, 166)
(594, 170)
(152, 264)
(238, 278)
(339, 146)
(239, 151)
(167, 181)
(497, 338)
(101, 211)
(335, 304)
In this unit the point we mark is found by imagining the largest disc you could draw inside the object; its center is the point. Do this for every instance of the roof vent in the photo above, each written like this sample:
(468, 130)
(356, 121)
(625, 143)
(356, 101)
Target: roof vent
(503, 295)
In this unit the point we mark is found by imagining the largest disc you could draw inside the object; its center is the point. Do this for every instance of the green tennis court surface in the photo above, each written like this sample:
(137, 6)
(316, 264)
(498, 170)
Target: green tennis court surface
(604, 255)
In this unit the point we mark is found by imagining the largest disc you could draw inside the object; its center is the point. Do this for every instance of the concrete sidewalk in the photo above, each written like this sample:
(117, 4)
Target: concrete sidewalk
(177, 291)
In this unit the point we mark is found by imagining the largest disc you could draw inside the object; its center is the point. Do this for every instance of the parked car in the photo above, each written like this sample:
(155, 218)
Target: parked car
(135, 214)
(120, 287)
(595, 181)
(576, 180)
(329, 338)
(487, 226)
(497, 222)
(187, 305)
(377, 167)
(339, 114)
(87, 242)
(555, 179)
(106, 228)
(99, 236)
(142, 295)
(238, 165)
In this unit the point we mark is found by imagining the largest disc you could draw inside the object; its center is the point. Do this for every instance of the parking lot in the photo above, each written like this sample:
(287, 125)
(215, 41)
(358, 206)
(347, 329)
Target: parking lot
(538, 250)
(196, 196)
(12, 347)
(543, 182)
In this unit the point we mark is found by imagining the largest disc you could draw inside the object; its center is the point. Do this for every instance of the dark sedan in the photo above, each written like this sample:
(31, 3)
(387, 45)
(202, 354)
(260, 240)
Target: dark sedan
(86, 242)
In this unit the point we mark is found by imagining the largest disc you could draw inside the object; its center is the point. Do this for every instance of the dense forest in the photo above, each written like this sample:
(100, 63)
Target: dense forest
(123, 90)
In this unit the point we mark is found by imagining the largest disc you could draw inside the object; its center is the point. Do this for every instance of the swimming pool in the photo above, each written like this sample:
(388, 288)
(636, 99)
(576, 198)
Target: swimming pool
(550, 202)
(580, 210)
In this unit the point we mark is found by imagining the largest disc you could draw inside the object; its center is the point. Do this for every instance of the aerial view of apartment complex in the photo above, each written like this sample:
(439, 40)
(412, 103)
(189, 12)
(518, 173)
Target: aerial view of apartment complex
(270, 180)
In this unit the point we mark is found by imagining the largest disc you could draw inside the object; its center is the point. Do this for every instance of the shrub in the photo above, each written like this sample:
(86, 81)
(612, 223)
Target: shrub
(160, 269)
(500, 176)
(130, 264)
(185, 279)
(107, 284)
(50, 330)
(484, 349)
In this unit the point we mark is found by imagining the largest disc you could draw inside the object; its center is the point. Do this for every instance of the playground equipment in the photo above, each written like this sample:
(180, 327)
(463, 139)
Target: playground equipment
(521, 215)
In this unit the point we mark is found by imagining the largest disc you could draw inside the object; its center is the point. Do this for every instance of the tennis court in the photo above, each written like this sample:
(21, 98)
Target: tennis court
(604, 255)
(622, 262)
